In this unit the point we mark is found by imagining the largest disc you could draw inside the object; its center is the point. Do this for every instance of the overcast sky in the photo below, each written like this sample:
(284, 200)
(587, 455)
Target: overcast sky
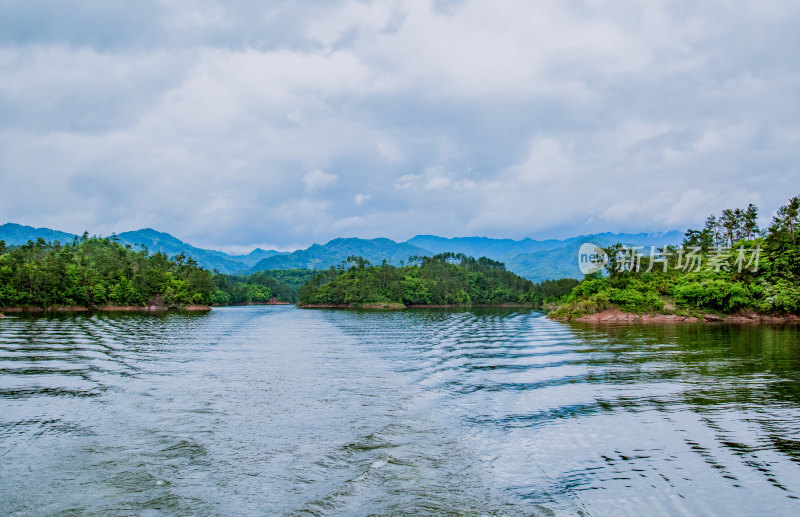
(278, 124)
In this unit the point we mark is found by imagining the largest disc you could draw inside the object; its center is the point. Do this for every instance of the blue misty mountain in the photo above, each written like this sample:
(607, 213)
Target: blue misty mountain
(209, 259)
(562, 261)
(495, 248)
(16, 234)
(257, 254)
(536, 260)
(480, 246)
(332, 253)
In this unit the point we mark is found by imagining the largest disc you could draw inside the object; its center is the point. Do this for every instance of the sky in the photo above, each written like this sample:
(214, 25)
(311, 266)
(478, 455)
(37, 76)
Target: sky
(236, 124)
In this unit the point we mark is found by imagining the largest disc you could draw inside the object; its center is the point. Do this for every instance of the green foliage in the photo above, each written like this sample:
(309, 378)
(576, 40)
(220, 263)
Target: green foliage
(551, 291)
(444, 279)
(629, 294)
(92, 272)
(773, 288)
(717, 294)
(734, 225)
(781, 297)
(262, 287)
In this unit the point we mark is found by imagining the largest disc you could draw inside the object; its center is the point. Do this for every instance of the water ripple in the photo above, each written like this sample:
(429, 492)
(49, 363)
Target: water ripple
(275, 410)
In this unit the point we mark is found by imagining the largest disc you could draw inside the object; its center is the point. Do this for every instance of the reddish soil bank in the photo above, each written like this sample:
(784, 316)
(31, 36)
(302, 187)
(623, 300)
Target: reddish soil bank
(617, 316)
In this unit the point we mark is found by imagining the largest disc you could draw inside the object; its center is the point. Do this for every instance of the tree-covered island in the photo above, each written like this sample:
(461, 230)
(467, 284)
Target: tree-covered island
(98, 273)
(446, 279)
(91, 273)
(729, 270)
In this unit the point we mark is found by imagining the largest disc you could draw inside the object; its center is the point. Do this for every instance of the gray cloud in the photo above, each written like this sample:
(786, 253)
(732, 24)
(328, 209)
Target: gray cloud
(238, 123)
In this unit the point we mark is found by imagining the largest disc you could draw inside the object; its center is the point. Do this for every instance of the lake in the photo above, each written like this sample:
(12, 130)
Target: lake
(279, 410)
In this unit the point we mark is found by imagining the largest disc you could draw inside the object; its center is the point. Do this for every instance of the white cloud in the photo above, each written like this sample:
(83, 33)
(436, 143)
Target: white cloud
(548, 160)
(348, 223)
(319, 179)
(505, 118)
(433, 178)
(406, 181)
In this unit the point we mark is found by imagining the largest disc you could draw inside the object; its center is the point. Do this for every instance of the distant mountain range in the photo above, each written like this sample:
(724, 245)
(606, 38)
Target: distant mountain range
(323, 256)
(533, 259)
(209, 259)
(16, 234)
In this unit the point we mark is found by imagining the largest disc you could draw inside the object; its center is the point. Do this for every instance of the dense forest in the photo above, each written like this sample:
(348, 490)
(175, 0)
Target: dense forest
(730, 265)
(96, 272)
(93, 272)
(276, 285)
(444, 279)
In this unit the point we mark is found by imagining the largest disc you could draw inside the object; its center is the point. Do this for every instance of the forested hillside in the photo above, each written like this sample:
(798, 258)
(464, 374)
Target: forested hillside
(444, 279)
(17, 234)
(93, 272)
(263, 287)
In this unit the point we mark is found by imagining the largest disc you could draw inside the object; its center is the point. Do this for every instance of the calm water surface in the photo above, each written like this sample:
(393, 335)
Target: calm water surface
(277, 410)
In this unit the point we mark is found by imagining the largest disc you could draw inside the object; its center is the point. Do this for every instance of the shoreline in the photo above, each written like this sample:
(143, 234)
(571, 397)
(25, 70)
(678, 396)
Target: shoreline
(244, 304)
(104, 308)
(399, 306)
(618, 316)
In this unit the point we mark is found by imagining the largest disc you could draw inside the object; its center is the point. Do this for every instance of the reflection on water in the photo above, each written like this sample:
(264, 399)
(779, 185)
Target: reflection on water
(264, 410)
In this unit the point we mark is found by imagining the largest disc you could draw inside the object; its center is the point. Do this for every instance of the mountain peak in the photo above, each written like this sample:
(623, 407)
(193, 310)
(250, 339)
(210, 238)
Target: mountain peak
(149, 232)
(534, 259)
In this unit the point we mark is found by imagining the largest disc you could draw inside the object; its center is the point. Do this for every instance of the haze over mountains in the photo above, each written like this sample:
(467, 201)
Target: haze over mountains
(533, 259)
